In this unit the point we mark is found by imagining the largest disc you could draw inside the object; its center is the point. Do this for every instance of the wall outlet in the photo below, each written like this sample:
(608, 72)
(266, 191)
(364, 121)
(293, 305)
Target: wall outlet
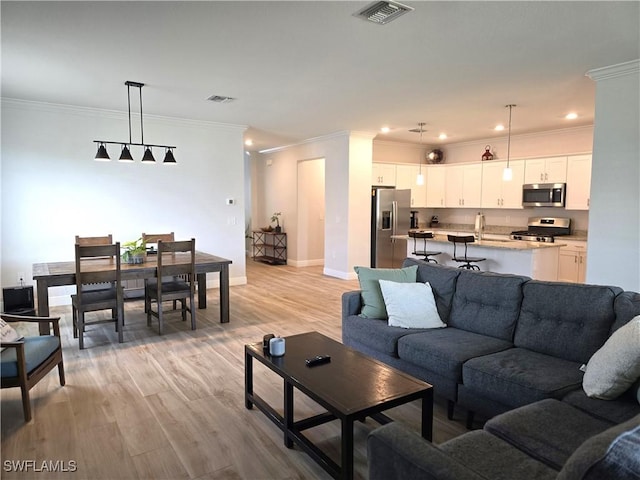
(21, 278)
(230, 201)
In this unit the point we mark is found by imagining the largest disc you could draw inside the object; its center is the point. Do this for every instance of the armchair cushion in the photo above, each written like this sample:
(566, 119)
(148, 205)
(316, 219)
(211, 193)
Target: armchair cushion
(36, 351)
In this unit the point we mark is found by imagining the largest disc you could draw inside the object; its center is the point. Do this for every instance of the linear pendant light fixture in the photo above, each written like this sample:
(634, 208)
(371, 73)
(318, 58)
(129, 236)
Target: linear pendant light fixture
(125, 154)
(507, 173)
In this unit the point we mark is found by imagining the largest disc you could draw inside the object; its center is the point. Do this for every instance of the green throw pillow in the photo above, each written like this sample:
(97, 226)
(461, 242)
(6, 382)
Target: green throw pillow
(373, 303)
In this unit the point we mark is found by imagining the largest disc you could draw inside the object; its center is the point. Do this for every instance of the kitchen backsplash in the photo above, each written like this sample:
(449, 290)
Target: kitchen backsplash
(500, 221)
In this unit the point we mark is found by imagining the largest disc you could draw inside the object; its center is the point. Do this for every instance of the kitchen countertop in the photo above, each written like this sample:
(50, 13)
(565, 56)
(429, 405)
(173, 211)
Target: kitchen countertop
(502, 244)
(580, 235)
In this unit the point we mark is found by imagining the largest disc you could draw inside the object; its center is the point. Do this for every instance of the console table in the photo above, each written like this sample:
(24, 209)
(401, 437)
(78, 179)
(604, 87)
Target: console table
(270, 247)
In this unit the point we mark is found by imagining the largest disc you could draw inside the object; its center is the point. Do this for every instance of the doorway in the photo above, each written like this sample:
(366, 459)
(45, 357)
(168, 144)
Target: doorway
(311, 211)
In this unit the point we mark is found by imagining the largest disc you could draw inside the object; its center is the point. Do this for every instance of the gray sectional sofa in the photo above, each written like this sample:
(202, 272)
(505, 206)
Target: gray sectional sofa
(512, 344)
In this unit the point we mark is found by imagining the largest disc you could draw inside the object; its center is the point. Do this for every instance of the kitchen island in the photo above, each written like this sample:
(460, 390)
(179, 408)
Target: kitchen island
(536, 260)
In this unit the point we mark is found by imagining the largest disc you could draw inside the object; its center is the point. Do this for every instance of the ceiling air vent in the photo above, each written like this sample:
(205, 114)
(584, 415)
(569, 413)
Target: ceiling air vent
(383, 12)
(220, 99)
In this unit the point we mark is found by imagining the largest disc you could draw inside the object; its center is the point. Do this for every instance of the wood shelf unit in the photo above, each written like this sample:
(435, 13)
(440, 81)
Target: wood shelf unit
(270, 247)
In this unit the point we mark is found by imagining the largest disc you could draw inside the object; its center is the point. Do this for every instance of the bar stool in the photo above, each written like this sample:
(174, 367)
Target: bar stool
(466, 260)
(423, 252)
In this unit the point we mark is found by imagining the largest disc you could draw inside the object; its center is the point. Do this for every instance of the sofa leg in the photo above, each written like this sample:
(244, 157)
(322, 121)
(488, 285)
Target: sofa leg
(470, 415)
(450, 406)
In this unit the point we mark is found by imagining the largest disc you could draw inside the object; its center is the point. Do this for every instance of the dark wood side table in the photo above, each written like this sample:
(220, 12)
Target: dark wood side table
(351, 387)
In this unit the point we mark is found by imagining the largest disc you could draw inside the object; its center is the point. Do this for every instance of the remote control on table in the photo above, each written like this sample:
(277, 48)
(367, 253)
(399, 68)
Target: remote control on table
(317, 360)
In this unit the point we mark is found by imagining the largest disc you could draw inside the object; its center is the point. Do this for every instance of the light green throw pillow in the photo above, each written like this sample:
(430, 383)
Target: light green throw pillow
(616, 365)
(373, 303)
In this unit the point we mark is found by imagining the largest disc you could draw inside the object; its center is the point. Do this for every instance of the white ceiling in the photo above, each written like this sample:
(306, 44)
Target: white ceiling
(310, 68)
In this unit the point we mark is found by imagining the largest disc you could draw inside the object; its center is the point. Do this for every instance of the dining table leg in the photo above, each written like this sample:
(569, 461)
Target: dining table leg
(42, 292)
(224, 294)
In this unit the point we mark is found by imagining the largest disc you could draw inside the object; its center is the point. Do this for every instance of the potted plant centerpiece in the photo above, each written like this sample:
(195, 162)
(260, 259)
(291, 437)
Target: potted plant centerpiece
(134, 251)
(274, 218)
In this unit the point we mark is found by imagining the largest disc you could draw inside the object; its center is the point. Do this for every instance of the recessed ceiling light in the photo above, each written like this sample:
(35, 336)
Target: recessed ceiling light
(442, 136)
(248, 142)
(385, 129)
(499, 128)
(571, 116)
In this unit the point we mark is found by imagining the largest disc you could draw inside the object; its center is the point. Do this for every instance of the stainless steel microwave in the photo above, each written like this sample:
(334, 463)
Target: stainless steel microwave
(543, 194)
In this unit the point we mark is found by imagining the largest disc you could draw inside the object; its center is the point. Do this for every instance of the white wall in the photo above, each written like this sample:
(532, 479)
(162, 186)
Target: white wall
(566, 141)
(614, 217)
(52, 189)
(347, 192)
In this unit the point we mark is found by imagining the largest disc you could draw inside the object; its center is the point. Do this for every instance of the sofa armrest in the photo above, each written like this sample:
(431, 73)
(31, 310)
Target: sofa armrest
(394, 452)
(351, 303)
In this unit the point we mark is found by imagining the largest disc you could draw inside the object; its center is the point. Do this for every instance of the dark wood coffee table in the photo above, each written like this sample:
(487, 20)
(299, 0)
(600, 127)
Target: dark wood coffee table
(351, 387)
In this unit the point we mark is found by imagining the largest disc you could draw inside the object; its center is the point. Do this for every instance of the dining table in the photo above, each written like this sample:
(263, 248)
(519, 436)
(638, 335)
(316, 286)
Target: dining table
(55, 274)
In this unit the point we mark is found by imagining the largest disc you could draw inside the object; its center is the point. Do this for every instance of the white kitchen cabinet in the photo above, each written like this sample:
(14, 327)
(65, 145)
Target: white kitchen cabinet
(578, 182)
(463, 185)
(572, 261)
(498, 193)
(435, 181)
(383, 174)
(406, 177)
(546, 170)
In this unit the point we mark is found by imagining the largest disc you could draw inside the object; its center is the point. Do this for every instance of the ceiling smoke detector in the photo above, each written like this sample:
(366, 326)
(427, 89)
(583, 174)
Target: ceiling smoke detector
(220, 99)
(383, 12)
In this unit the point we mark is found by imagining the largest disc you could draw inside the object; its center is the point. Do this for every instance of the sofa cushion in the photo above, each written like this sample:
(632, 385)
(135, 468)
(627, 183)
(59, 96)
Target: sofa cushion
(616, 365)
(517, 376)
(548, 430)
(494, 458)
(487, 303)
(375, 334)
(410, 305)
(611, 454)
(614, 411)
(444, 351)
(565, 320)
(442, 280)
(373, 303)
(626, 306)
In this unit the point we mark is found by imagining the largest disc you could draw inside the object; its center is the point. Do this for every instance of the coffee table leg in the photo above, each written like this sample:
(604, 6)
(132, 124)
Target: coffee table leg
(427, 415)
(288, 413)
(347, 449)
(248, 380)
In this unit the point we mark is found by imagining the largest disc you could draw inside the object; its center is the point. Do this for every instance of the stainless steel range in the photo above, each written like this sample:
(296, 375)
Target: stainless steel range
(543, 229)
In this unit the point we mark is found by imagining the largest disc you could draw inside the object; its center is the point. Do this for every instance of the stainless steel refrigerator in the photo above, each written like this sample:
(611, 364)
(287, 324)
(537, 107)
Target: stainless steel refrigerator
(390, 216)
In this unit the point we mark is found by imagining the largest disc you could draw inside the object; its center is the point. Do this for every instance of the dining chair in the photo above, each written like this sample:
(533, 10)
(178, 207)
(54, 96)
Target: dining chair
(467, 262)
(97, 264)
(176, 260)
(26, 360)
(104, 240)
(153, 239)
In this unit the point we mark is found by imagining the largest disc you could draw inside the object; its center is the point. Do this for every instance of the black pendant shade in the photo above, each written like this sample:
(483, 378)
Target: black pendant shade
(169, 158)
(148, 156)
(125, 154)
(102, 154)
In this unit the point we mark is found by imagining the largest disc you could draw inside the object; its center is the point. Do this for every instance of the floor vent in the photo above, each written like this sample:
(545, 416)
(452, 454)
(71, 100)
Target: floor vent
(383, 12)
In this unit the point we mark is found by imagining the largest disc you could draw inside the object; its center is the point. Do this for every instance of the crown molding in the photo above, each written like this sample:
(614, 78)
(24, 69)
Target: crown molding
(613, 71)
(31, 105)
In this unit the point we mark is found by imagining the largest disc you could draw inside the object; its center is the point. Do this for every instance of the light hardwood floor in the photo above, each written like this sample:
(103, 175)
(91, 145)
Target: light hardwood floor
(172, 407)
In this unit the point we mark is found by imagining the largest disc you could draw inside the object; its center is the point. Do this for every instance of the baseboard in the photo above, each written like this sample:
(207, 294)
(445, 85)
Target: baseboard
(306, 263)
(339, 274)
